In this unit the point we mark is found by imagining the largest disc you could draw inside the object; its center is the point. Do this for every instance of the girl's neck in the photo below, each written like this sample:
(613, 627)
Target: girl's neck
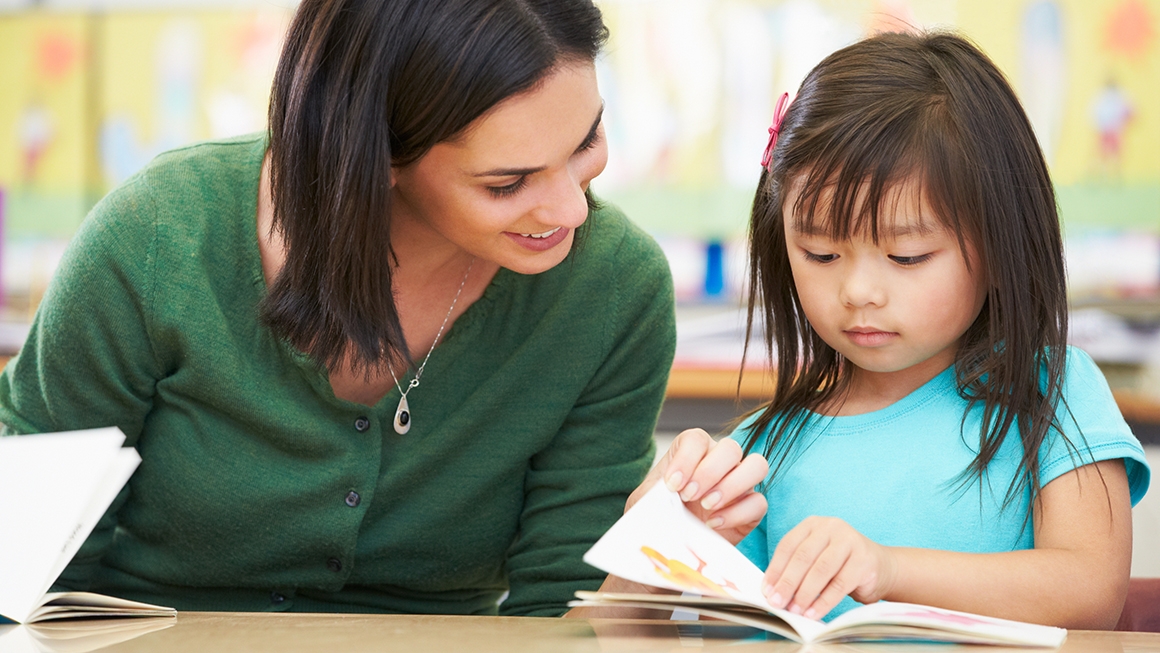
(868, 391)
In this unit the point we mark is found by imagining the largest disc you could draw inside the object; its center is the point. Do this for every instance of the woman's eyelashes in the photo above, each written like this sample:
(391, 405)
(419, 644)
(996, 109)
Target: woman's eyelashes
(510, 189)
(591, 140)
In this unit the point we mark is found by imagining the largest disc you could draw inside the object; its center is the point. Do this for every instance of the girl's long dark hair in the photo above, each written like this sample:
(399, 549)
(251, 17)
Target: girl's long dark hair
(871, 116)
(366, 84)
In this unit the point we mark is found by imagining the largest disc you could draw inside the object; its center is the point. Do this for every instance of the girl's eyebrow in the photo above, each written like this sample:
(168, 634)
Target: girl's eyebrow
(892, 232)
(520, 172)
(921, 228)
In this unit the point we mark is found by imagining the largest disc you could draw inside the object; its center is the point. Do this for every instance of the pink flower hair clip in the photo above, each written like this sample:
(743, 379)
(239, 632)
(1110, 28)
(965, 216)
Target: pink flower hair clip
(774, 130)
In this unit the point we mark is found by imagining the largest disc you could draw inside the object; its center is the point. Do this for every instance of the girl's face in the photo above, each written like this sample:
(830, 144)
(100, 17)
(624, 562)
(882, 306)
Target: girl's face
(898, 307)
(510, 190)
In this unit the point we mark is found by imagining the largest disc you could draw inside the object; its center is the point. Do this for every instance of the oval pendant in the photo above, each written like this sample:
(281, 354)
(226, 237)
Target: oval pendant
(402, 417)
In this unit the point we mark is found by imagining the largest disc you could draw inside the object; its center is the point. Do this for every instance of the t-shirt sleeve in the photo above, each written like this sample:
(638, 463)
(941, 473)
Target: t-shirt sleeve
(577, 487)
(1091, 421)
(87, 361)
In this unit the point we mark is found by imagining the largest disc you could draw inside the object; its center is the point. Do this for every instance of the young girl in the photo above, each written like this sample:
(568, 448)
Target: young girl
(932, 439)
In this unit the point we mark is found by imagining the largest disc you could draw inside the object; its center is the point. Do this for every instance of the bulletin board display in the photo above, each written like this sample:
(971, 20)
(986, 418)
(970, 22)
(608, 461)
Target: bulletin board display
(95, 97)
(689, 87)
(90, 98)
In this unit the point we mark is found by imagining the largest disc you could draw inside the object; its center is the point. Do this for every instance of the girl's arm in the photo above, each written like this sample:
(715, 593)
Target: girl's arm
(1075, 577)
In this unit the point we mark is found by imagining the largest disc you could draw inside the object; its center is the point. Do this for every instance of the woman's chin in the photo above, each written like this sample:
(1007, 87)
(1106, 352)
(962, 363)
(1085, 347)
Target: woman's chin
(526, 261)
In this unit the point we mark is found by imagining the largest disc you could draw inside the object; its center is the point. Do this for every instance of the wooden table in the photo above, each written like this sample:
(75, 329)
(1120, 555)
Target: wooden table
(310, 633)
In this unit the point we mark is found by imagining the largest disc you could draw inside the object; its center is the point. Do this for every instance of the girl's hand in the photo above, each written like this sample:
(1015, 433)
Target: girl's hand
(715, 481)
(823, 559)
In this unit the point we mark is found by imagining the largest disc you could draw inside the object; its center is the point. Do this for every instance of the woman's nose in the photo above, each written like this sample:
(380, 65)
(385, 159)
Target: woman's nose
(566, 205)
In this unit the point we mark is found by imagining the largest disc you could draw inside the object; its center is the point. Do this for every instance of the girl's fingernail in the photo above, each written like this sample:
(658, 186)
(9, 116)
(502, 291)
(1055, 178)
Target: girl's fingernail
(674, 481)
(811, 614)
(713, 499)
(795, 608)
(776, 600)
(715, 522)
(767, 590)
(690, 491)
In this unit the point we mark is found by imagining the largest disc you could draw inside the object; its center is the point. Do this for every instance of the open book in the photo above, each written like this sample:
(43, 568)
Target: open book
(54, 488)
(76, 636)
(660, 543)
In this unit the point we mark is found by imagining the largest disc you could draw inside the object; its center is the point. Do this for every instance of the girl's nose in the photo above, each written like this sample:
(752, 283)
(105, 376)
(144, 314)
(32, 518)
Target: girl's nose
(862, 288)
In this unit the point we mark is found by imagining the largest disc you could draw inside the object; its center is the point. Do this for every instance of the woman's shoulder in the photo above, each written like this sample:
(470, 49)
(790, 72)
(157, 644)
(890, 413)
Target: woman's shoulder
(615, 243)
(187, 177)
(183, 193)
(209, 159)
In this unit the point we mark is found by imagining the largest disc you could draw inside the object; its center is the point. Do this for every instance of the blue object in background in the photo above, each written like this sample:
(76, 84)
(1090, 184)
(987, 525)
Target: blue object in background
(714, 270)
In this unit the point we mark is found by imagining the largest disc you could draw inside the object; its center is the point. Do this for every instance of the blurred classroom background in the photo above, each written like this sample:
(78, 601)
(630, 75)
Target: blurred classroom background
(91, 90)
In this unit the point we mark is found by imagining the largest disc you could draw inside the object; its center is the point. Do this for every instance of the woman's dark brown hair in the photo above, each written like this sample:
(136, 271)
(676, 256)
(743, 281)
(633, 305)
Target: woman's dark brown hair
(366, 84)
(935, 109)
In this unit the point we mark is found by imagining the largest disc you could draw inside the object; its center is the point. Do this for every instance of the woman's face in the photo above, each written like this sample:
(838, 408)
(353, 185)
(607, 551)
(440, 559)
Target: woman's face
(510, 189)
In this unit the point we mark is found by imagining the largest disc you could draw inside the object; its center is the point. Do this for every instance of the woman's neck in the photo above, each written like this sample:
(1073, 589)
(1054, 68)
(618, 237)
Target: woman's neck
(428, 272)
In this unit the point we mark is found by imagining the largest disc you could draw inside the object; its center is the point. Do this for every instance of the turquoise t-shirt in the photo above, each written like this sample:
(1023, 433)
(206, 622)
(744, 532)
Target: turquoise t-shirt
(894, 474)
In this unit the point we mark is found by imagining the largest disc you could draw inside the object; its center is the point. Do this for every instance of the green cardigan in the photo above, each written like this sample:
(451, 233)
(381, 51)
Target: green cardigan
(260, 490)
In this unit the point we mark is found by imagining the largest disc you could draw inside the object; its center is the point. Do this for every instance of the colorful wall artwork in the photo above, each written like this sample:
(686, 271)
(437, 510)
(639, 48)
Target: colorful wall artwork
(90, 98)
(689, 86)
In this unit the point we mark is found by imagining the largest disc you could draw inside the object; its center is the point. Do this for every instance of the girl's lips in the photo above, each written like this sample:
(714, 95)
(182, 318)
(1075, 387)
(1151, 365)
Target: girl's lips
(540, 244)
(870, 338)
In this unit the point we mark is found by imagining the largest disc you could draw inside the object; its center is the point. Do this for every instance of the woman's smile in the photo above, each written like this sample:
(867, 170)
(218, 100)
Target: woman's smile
(540, 242)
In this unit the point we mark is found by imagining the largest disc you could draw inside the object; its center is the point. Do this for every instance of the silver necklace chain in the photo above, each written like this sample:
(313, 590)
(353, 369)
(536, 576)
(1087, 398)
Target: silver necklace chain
(419, 372)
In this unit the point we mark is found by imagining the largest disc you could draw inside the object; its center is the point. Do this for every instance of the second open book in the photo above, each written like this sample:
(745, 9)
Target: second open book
(54, 487)
(660, 543)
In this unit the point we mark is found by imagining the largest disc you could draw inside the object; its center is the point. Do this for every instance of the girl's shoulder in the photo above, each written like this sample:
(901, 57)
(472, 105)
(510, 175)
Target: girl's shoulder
(1092, 427)
(1082, 373)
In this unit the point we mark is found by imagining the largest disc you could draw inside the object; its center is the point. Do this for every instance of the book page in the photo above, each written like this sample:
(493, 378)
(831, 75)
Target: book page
(74, 605)
(930, 623)
(116, 475)
(77, 636)
(659, 542)
(47, 482)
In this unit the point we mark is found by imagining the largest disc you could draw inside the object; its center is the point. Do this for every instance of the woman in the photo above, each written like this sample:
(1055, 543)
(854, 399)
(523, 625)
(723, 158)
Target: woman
(257, 315)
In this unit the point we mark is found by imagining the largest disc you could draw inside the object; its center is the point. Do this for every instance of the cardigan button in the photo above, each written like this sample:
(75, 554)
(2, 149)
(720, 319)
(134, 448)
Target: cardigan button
(361, 424)
(353, 499)
(334, 564)
(275, 597)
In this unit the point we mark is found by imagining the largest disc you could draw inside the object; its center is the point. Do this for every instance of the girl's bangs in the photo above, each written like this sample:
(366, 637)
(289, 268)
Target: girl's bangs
(863, 174)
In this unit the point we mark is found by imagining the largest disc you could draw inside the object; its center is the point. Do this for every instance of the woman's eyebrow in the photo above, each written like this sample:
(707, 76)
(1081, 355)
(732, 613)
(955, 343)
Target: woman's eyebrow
(520, 172)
